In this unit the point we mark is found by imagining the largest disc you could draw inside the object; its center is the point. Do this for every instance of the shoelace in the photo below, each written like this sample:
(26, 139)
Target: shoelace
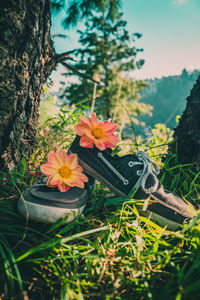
(146, 172)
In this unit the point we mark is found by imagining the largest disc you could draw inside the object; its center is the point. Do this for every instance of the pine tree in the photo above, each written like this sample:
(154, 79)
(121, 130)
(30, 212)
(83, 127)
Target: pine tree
(108, 52)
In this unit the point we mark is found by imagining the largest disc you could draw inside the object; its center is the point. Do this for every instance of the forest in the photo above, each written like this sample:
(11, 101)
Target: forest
(100, 180)
(167, 96)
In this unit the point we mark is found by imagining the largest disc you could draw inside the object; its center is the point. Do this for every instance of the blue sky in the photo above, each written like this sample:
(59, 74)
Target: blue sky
(170, 35)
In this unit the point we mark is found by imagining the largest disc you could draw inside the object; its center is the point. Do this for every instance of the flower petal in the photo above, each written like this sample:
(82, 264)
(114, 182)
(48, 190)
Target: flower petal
(75, 182)
(109, 127)
(48, 170)
(63, 187)
(79, 175)
(111, 140)
(72, 161)
(52, 159)
(86, 121)
(78, 169)
(100, 144)
(86, 142)
(94, 120)
(89, 135)
(61, 156)
(81, 128)
(54, 180)
(76, 179)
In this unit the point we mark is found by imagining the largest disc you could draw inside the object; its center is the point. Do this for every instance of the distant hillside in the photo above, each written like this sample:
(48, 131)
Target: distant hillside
(168, 97)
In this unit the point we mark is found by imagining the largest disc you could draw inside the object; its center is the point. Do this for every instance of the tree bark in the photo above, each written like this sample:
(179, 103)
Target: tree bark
(27, 58)
(187, 133)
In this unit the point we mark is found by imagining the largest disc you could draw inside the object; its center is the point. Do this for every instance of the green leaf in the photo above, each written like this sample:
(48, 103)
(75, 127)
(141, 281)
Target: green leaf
(14, 178)
(22, 167)
(193, 287)
(115, 201)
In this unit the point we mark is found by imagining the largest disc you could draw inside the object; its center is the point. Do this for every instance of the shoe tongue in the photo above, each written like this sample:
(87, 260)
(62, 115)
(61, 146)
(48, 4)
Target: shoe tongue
(53, 194)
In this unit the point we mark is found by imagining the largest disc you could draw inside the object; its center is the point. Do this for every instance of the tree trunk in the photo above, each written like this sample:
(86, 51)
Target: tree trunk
(26, 54)
(187, 133)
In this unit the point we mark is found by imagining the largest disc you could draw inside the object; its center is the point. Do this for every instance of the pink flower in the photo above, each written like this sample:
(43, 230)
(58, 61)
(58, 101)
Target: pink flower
(100, 134)
(63, 171)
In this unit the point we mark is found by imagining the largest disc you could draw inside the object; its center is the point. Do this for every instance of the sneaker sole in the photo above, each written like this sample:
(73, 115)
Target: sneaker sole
(47, 214)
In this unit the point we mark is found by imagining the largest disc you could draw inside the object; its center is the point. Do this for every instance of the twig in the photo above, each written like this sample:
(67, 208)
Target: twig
(64, 36)
(59, 58)
(66, 65)
(94, 97)
(132, 126)
(118, 96)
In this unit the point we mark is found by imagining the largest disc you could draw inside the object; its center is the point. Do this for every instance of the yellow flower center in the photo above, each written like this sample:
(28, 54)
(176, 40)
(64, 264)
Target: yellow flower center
(97, 133)
(65, 172)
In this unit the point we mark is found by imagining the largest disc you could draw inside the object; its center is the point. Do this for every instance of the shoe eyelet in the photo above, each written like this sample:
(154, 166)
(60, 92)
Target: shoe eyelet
(131, 164)
(99, 154)
(126, 182)
(139, 172)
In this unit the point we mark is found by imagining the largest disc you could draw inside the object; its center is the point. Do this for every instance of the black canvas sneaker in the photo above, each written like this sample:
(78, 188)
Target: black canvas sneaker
(134, 175)
(45, 204)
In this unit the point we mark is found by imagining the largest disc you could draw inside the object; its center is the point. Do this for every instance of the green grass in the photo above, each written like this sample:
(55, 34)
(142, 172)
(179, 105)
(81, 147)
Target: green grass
(109, 252)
